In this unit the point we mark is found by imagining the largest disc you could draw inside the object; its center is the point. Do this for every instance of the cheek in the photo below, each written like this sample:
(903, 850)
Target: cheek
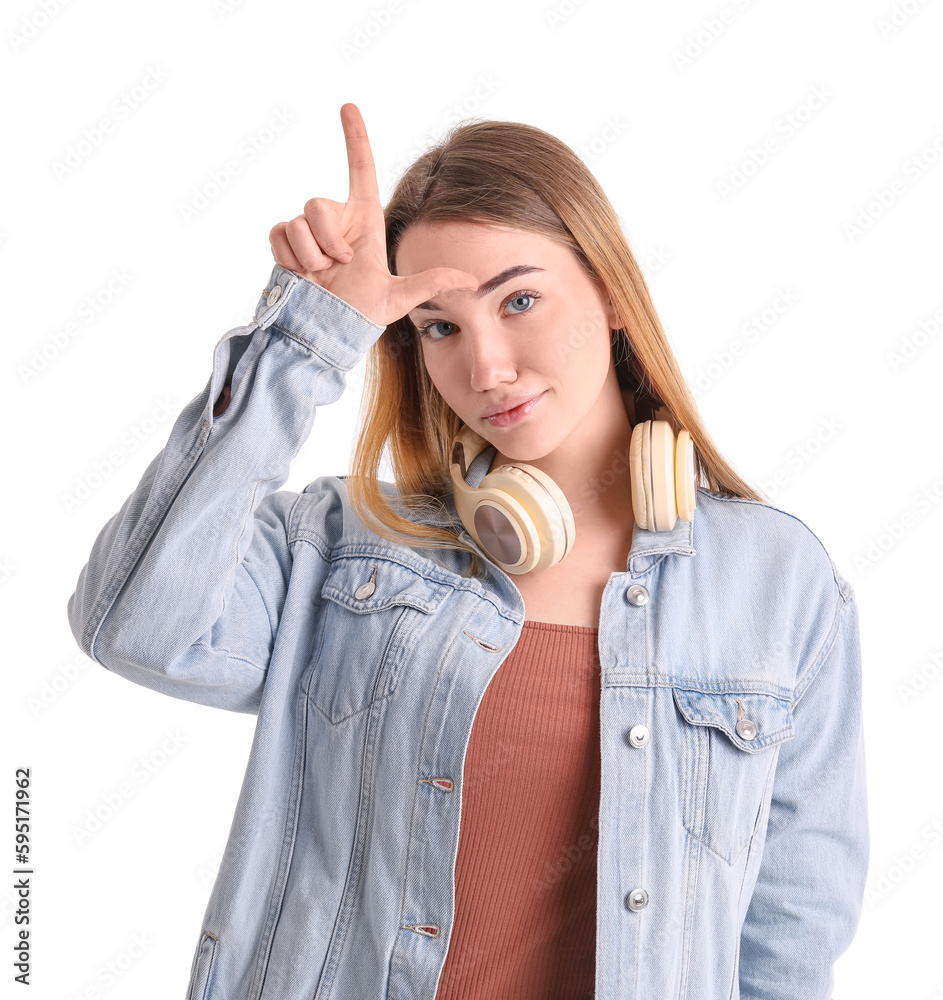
(445, 378)
(582, 354)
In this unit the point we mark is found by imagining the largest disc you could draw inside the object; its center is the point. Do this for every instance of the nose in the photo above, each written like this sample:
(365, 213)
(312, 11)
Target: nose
(490, 358)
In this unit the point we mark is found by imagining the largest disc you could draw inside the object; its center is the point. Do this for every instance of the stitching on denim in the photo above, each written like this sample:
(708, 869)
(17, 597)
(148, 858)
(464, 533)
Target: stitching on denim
(329, 363)
(355, 867)
(740, 685)
(769, 506)
(707, 847)
(318, 543)
(420, 751)
(825, 650)
(272, 618)
(140, 537)
(280, 881)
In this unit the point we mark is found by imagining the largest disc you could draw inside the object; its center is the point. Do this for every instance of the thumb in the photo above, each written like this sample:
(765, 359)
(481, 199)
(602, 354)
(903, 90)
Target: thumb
(416, 288)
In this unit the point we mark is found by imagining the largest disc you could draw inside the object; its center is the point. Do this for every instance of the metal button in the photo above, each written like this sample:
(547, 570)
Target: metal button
(637, 899)
(637, 594)
(366, 589)
(274, 294)
(639, 736)
(747, 729)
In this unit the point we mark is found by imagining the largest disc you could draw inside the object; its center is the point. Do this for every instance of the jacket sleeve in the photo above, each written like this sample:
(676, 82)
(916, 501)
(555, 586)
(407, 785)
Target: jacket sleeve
(807, 900)
(184, 586)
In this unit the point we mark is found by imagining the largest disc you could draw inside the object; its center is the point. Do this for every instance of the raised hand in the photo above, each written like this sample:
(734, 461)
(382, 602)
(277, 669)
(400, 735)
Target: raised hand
(343, 247)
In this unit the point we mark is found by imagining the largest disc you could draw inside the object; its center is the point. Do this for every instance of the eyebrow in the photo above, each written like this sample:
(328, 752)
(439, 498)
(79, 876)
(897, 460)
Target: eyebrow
(486, 286)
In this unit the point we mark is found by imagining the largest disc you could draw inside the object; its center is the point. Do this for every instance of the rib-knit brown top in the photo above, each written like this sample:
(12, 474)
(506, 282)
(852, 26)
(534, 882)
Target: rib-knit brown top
(525, 876)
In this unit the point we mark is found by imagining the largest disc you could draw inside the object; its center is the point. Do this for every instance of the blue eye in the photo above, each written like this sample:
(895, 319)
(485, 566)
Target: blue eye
(425, 331)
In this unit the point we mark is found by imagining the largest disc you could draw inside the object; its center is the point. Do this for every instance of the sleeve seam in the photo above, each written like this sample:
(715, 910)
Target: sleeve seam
(825, 650)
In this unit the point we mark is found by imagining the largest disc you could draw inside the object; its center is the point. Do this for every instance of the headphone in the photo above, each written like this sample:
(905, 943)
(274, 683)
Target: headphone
(521, 519)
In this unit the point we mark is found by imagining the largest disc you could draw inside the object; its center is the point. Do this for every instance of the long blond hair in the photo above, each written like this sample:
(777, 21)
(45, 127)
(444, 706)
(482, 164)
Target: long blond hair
(508, 174)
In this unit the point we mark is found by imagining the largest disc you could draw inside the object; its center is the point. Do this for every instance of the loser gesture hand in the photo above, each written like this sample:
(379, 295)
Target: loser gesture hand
(342, 247)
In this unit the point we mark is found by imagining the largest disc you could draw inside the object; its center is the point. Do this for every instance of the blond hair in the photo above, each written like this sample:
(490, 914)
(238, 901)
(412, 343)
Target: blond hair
(507, 174)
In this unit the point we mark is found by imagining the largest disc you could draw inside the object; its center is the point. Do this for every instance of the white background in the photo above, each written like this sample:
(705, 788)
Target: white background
(665, 103)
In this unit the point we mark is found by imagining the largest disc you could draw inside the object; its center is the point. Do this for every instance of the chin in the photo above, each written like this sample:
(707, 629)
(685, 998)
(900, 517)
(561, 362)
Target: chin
(520, 444)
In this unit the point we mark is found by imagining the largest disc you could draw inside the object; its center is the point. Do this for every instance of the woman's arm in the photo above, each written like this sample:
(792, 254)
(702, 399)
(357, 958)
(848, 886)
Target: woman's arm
(184, 586)
(807, 900)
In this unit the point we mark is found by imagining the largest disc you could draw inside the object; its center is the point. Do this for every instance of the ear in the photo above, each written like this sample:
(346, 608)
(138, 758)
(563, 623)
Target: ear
(612, 315)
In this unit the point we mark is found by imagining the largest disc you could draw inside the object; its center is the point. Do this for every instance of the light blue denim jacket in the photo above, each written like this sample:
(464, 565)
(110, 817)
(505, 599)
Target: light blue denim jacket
(731, 860)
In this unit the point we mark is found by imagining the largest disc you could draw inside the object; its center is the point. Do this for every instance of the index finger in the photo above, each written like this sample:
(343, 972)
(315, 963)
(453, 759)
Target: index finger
(363, 175)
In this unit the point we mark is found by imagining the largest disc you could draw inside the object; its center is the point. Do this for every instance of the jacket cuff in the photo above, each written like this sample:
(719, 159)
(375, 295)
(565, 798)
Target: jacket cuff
(329, 326)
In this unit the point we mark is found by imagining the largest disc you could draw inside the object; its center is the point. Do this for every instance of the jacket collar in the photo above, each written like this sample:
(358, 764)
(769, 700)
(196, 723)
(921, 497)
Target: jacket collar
(679, 540)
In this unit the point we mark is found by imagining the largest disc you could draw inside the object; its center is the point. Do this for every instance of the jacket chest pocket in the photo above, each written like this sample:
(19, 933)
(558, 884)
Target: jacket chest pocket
(372, 614)
(732, 741)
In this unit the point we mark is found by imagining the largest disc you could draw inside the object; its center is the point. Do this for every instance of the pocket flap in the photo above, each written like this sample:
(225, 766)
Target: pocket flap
(373, 583)
(771, 716)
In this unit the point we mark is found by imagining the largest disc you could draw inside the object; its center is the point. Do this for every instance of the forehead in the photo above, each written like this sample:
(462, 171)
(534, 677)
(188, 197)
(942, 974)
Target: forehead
(428, 242)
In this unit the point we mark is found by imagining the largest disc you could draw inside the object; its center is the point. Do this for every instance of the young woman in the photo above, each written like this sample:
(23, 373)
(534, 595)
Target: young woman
(565, 711)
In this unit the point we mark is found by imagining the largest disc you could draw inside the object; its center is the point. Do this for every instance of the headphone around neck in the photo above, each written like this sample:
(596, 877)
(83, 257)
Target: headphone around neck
(521, 519)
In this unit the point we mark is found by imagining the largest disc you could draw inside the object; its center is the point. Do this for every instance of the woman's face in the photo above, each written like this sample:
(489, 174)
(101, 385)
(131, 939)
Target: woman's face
(544, 331)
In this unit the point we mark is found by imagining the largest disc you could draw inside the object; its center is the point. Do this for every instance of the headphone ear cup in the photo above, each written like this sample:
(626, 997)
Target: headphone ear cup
(638, 474)
(664, 508)
(685, 476)
(663, 475)
(548, 528)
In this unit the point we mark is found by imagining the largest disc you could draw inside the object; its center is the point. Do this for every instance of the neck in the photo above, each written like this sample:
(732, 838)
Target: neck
(592, 465)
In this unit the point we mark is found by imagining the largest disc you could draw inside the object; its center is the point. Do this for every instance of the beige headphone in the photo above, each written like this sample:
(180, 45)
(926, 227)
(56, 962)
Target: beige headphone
(522, 520)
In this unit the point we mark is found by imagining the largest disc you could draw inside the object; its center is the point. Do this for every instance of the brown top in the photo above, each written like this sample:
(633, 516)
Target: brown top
(525, 876)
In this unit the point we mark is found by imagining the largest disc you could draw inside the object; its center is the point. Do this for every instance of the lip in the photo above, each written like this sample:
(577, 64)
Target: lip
(517, 411)
(510, 404)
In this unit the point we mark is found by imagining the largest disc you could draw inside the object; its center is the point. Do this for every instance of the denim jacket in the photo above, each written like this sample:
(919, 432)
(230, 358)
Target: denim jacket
(733, 833)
